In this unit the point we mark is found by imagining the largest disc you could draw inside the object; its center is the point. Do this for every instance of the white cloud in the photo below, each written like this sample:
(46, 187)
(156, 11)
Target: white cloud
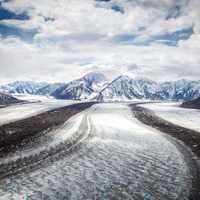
(78, 39)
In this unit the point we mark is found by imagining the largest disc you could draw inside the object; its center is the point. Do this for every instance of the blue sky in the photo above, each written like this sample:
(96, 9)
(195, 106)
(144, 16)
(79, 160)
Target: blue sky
(62, 40)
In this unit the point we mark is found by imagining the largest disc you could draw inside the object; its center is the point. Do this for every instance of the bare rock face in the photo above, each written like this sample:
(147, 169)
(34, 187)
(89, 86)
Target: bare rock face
(7, 99)
(192, 104)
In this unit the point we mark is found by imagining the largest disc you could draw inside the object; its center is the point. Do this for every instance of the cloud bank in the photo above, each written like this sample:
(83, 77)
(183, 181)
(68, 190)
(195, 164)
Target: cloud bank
(62, 40)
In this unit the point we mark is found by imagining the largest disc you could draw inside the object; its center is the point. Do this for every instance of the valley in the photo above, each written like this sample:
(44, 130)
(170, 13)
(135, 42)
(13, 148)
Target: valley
(97, 150)
(99, 100)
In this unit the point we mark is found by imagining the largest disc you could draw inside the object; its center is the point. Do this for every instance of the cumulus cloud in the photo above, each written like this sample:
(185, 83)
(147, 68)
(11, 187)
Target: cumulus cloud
(72, 38)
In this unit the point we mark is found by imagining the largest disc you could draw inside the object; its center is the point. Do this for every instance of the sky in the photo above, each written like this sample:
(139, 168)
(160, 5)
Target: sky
(61, 40)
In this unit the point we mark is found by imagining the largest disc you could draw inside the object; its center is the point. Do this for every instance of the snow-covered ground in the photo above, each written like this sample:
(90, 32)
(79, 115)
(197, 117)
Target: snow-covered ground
(33, 98)
(188, 118)
(121, 159)
(21, 111)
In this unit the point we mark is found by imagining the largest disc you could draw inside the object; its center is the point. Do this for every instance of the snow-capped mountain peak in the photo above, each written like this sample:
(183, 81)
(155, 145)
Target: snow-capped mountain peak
(94, 77)
(126, 88)
(86, 87)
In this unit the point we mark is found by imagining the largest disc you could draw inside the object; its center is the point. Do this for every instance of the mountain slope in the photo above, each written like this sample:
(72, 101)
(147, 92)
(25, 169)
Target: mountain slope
(95, 86)
(7, 99)
(126, 88)
(49, 89)
(22, 87)
(180, 90)
(192, 104)
(83, 88)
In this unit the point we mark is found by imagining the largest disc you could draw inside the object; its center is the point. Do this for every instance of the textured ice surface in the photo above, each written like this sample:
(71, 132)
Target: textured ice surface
(121, 159)
(185, 117)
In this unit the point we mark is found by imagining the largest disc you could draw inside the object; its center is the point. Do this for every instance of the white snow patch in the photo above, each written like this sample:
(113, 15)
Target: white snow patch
(185, 117)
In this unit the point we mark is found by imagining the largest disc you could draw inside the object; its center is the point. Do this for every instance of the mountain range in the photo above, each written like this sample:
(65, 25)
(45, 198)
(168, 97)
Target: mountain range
(126, 88)
(96, 86)
(22, 87)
